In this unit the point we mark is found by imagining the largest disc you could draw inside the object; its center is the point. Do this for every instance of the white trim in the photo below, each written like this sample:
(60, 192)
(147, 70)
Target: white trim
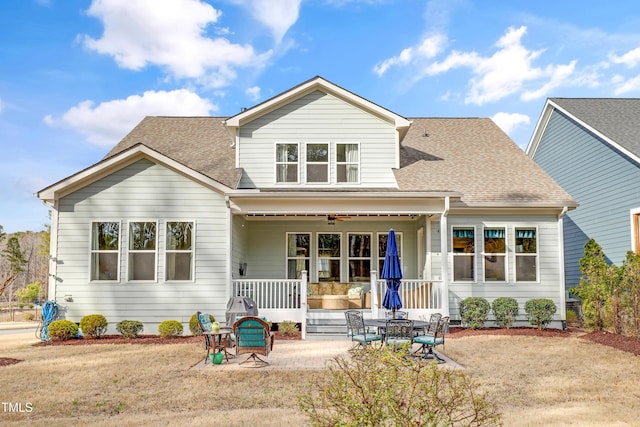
(515, 254)
(276, 163)
(336, 163)
(121, 160)
(193, 251)
(128, 252)
(474, 255)
(53, 253)
(307, 163)
(118, 251)
(483, 254)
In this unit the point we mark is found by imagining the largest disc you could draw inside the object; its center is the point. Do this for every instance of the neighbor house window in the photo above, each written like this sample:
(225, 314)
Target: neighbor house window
(298, 254)
(179, 251)
(287, 163)
(328, 257)
(347, 163)
(526, 255)
(382, 248)
(142, 250)
(318, 163)
(359, 257)
(464, 254)
(494, 254)
(105, 250)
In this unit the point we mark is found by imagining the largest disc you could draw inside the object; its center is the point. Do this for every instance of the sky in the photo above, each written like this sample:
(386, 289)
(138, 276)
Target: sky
(77, 76)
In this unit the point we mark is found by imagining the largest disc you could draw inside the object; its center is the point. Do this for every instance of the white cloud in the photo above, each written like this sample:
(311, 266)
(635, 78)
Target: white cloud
(624, 86)
(510, 121)
(106, 123)
(429, 48)
(558, 75)
(170, 35)
(630, 59)
(278, 16)
(253, 93)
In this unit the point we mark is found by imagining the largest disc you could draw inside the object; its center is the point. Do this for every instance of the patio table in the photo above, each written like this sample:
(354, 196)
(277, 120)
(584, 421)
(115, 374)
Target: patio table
(220, 341)
(418, 325)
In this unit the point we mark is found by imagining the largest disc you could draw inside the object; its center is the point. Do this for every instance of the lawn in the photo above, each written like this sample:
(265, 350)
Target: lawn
(534, 381)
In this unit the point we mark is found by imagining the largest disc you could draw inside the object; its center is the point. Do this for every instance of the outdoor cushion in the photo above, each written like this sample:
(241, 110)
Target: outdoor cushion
(366, 339)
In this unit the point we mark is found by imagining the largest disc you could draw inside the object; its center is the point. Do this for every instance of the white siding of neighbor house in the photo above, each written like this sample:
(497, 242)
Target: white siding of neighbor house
(549, 283)
(317, 117)
(143, 191)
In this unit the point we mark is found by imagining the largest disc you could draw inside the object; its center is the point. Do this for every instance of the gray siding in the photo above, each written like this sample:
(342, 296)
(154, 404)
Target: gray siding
(142, 191)
(549, 284)
(318, 117)
(604, 182)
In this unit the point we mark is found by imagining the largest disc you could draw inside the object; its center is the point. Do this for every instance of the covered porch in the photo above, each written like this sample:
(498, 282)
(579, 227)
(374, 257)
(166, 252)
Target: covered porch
(283, 248)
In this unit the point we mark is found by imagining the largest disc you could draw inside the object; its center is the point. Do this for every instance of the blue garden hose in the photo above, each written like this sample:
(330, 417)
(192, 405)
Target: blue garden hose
(49, 311)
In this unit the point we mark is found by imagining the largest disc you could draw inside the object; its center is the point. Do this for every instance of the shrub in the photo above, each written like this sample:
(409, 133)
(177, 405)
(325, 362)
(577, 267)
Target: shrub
(505, 309)
(170, 328)
(288, 328)
(379, 387)
(129, 328)
(572, 317)
(29, 316)
(474, 311)
(540, 311)
(62, 330)
(194, 327)
(93, 325)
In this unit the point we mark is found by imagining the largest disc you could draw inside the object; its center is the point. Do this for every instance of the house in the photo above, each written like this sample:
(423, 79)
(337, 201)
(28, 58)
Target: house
(290, 203)
(591, 147)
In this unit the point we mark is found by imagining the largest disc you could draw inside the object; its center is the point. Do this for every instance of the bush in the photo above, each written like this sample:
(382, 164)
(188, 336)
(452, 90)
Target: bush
(170, 328)
(379, 387)
(540, 311)
(288, 328)
(29, 316)
(62, 330)
(505, 309)
(93, 325)
(129, 328)
(194, 327)
(474, 311)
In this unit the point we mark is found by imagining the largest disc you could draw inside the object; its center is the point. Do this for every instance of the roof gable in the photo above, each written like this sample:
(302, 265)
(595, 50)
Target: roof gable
(311, 85)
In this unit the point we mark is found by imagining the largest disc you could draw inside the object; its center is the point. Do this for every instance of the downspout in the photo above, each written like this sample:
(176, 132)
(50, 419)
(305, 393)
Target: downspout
(52, 280)
(444, 257)
(563, 291)
(229, 250)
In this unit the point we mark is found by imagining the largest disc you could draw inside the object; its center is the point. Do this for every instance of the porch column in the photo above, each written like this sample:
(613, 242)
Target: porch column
(374, 294)
(303, 303)
(444, 259)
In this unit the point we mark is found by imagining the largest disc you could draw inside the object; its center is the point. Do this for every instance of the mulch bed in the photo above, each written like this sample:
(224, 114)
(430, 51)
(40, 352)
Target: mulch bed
(628, 344)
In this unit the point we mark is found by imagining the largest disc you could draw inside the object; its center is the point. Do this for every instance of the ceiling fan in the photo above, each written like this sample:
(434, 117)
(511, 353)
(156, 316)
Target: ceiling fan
(334, 217)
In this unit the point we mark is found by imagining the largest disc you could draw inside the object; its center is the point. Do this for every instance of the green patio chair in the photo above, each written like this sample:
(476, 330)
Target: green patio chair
(356, 330)
(428, 342)
(253, 336)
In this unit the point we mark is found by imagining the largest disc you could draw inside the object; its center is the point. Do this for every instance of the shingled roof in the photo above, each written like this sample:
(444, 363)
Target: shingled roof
(615, 118)
(470, 156)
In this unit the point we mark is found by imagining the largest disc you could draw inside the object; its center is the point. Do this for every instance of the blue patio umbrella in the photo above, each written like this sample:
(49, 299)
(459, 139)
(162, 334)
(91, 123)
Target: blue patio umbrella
(392, 273)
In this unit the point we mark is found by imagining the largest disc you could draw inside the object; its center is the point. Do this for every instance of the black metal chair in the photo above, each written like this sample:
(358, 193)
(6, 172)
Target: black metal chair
(398, 332)
(428, 342)
(357, 331)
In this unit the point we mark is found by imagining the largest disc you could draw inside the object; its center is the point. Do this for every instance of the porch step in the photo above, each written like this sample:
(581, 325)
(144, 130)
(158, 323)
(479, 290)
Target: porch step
(326, 324)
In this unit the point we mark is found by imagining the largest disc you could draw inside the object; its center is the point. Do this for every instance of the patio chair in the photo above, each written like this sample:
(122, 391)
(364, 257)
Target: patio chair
(204, 323)
(388, 314)
(253, 336)
(429, 342)
(398, 332)
(356, 330)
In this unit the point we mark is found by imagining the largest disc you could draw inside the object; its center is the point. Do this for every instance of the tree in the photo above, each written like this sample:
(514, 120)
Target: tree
(15, 259)
(30, 293)
(595, 288)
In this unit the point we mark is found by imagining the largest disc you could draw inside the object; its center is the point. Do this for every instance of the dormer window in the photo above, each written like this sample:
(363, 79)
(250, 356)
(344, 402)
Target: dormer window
(287, 163)
(318, 163)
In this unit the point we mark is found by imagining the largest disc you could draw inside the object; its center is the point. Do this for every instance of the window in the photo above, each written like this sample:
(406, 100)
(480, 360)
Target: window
(298, 253)
(318, 163)
(142, 250)
(526, 255)
(287, 163)
(382, 248)
(495, 255)
(328, 257)
(347, 163)
(105, 250)
(464, 254)
(359, 257)
(179, 251)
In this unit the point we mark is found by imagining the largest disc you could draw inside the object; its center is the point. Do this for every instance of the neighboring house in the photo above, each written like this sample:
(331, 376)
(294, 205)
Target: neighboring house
(297, 193)
(591, 147)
